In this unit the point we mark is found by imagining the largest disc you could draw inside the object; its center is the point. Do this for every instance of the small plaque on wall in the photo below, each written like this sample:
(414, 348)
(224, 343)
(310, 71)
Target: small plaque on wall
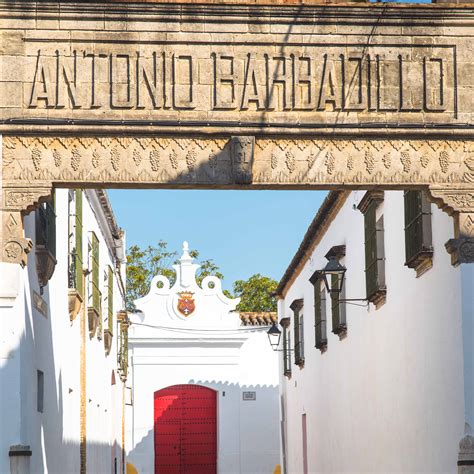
(249, 396)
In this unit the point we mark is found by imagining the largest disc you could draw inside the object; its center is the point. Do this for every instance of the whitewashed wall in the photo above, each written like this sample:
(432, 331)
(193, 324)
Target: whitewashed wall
(212, 349)
(388, 397)
(31, 342)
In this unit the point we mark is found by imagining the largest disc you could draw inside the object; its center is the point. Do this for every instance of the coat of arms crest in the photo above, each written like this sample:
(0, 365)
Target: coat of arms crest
(186, 303)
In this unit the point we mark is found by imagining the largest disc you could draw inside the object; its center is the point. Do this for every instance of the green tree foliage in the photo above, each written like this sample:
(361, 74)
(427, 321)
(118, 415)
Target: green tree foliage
(144, 264)
(256, 293)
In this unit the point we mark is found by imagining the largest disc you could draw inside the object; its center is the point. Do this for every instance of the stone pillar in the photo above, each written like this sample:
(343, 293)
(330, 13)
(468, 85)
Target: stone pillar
(466, 445)
(460, 204)
(20, 459)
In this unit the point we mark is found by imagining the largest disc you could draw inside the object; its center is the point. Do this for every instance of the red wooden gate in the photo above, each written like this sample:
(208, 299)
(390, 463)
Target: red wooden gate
(185, 430)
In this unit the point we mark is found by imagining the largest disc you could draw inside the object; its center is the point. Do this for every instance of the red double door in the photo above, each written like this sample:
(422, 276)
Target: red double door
(185, 430)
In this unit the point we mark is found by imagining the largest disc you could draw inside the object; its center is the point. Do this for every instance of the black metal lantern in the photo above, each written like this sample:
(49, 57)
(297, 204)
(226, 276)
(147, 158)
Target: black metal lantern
(274, 335)
(333, 267)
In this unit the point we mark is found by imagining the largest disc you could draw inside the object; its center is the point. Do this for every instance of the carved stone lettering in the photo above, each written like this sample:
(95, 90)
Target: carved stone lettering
(371, 79)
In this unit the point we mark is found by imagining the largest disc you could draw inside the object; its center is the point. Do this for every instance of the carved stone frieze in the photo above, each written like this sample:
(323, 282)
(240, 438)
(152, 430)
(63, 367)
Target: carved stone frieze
(358, 163)
(269, 162)
(32, 163)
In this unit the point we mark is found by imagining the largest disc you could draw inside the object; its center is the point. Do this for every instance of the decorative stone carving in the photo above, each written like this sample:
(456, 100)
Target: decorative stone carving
(75, 159)
(93, 320)
(16, 202)
(242, 157)
(108, 337)
(74, 303)
(290, 161)
(267, 162)
(460, 204)
(45, 265)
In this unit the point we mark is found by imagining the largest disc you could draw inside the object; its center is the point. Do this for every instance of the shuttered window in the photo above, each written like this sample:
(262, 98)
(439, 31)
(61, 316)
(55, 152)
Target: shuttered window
(122, 355)
(374, 247)
(75, 242)
(110, 299)
(46, 227)
(338, 307)
(297, 307)
(94, 293)
(418, 235)
(286, 350)
(320, 316)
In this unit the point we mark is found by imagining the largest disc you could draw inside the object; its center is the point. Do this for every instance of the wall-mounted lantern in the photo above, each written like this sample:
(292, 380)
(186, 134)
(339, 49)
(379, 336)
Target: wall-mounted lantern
(333, 267)
(274, 335)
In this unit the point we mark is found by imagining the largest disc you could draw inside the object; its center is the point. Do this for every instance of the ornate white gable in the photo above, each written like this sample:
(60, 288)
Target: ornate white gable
(186, 304)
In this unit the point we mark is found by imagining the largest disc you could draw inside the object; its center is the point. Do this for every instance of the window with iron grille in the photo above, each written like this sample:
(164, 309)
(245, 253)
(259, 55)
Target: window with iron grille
(75, 242)
(320, 330)
(46, 227)
(338, 307)
(285, 323)
(418, 238)
(374, 247)
(122, 354)
(110, 299)
(297, 307)
(45, 243)
(39, 391)
(94, 290)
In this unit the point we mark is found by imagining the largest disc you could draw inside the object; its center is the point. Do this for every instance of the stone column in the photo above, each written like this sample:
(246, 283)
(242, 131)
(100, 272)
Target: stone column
(460, 204)
(466, 445)
(20, 459)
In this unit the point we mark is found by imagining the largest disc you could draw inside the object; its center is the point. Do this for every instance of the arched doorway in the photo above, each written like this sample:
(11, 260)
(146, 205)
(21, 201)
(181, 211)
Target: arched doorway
(185, 423)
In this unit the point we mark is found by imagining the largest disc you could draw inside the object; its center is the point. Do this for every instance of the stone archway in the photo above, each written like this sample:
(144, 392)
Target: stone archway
(183, 95)
(287, 96)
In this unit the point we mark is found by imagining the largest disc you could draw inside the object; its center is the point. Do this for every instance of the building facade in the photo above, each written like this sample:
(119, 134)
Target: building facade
(205, 381)
(63, 349)
(372, 375)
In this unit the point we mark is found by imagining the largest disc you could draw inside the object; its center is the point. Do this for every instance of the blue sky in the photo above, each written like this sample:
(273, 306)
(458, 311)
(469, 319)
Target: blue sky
(244, 232)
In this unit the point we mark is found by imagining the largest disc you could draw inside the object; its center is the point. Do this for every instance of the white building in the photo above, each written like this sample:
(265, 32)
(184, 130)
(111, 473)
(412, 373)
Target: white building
(379, 386)
(205, 386)
(62, 390)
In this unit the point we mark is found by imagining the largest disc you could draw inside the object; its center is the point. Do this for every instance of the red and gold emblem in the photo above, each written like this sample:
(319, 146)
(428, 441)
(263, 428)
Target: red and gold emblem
(186, 303)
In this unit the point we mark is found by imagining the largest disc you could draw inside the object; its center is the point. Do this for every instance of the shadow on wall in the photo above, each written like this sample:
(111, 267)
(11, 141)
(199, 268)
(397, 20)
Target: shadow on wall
(242, 425)
(38, 420)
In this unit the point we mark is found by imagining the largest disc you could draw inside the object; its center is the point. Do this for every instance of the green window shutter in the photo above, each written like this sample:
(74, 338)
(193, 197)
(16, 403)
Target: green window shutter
(78, 256)
(296, 324)
(110, 298)
(95, 273)
(123, 351)
(418, 238)
(323, 319)
(320, 316)
(301, 334)
(286, 352)
(370, 249)
(317, 313)
(51, 226)
(335, 310)
(45, 227)
(380, 246)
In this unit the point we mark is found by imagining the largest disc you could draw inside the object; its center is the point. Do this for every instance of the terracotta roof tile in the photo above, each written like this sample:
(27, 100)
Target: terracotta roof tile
(258, 318)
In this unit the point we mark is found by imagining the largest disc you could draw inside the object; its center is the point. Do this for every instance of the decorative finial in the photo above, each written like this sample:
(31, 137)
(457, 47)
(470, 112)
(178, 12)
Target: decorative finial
(186, 257)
